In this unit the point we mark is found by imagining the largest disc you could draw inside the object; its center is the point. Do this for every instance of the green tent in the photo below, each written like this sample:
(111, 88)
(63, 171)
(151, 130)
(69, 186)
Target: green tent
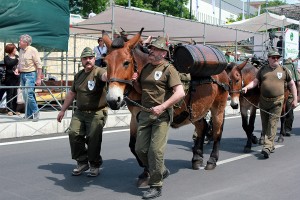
(46, 21)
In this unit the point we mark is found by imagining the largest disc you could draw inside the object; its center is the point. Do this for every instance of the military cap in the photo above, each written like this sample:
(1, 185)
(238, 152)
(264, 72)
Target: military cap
(87, 52)
(228, 50)
(124, 33)
(274, 53)
(160, 43)
(116, 32)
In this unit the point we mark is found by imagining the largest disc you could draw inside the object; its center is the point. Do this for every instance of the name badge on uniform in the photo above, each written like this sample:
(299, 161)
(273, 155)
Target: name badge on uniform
(279, 75)
(157, 75)
(91, 85)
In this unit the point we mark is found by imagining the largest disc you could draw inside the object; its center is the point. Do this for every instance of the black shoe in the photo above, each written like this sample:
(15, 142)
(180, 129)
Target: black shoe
(152, 193)
(144, 174)
(265, 153)
(288, 134)
(273, 150)
(166, 173)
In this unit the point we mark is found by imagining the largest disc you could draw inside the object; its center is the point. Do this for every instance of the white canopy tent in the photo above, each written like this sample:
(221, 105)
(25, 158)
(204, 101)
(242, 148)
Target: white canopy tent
(155, 24)
(263, 22)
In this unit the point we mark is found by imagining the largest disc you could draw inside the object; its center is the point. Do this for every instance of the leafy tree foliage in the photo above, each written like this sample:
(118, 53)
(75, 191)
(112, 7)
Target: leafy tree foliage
(170, 7)
(84, 7)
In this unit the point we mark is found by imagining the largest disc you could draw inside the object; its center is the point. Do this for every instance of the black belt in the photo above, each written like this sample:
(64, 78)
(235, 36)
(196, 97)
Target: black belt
(273, 98)
(91, 111)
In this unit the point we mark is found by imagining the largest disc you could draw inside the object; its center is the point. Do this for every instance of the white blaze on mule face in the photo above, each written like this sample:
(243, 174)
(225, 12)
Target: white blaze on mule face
(115, 94)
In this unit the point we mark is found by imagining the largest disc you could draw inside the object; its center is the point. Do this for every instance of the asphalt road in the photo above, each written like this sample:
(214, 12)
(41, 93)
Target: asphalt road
(40, 169)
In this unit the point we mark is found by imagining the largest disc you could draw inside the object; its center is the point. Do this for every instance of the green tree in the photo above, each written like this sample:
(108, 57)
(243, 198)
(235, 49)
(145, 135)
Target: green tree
(170, 7)
(84, 7)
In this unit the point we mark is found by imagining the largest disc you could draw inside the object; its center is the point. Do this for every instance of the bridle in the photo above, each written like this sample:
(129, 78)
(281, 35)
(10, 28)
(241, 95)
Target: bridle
(127, 82)
(236, 91)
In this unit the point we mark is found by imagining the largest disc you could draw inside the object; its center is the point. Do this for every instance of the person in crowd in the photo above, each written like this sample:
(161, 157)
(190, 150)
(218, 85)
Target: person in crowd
(280, 45)
(289, 118)
(11, 61)
(88, 120)
(101, 51)
(272, 79)
(228, 56)
(30, 70)
(160, 87)
(116, 34)
(124, 35)
(92, 14)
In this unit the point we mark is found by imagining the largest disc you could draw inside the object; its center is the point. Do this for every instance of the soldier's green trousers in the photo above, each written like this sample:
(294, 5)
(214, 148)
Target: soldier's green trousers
(269, 121)
(151, 143)
(85, 136)
(289, 118)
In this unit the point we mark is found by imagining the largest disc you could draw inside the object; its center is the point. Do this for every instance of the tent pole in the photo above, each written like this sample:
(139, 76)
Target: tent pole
(164, 29)
(236, 34)
(112, 18)
(204, 33)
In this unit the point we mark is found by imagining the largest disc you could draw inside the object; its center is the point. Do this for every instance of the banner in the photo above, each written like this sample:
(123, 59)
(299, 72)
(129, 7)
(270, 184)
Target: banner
(291, 41)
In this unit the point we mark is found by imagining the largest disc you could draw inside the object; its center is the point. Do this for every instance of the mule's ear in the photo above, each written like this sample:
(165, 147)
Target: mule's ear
(243, 64)
(106, 39)
(135, 40)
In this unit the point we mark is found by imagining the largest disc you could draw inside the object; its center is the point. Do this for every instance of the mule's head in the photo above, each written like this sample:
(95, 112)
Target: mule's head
(120, 67)
(236, 84)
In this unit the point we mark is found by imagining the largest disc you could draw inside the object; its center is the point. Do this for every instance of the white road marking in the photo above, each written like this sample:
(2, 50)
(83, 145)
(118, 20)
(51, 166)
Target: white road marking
(241, 156)
(52, 138)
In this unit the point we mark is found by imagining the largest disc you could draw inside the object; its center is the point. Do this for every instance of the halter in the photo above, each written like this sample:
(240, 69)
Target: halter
(128, 82)
(237, 91)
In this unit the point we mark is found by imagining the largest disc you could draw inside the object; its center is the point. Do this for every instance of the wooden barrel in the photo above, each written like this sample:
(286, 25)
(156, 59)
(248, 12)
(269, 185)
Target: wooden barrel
(199, 60)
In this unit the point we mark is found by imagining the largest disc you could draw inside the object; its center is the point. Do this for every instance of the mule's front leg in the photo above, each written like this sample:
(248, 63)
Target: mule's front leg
(248, 127)
(197, 160)
(218, 123)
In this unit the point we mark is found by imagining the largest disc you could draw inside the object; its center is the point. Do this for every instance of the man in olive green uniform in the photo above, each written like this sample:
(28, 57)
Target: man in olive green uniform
(161, 88)
(289, 118)
(272, 80)
(89, 119)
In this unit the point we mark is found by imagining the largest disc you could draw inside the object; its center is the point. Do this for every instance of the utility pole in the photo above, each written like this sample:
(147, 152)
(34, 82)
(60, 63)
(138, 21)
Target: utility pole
(190, 9)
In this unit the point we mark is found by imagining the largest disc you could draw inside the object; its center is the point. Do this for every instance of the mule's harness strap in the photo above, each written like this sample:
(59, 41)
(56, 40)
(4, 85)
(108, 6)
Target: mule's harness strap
(129, 82)
(207, 80)
(126, 98)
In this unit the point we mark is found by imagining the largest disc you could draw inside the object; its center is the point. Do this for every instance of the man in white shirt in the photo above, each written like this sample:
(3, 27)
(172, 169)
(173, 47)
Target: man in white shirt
(101, 51)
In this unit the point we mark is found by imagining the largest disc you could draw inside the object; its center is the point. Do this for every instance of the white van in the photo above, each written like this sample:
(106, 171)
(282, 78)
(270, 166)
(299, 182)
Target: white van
(75, 18)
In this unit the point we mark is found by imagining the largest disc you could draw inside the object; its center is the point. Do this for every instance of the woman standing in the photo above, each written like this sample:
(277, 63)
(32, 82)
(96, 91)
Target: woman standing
(11, 61)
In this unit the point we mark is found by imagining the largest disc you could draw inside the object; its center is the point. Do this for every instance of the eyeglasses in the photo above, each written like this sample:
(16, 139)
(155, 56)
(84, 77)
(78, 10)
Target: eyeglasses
(274, 57)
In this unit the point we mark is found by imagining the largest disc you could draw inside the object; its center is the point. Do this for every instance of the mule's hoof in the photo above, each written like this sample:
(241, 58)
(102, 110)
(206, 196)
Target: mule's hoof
(210, 166)
(247, 149)
(143, 182)
(196, 164)
(280, 140)
(254, 139)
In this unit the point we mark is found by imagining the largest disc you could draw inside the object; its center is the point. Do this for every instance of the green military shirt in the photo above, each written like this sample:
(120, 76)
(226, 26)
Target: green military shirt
(272, 81)
(157, 82)
(90, 89)
(293, 71)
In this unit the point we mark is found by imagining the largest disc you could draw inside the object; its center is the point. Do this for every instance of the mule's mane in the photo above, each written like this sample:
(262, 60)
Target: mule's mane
(117, 43)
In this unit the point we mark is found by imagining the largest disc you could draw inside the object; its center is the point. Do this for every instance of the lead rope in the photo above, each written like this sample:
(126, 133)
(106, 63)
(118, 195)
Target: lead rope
(267, 111)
